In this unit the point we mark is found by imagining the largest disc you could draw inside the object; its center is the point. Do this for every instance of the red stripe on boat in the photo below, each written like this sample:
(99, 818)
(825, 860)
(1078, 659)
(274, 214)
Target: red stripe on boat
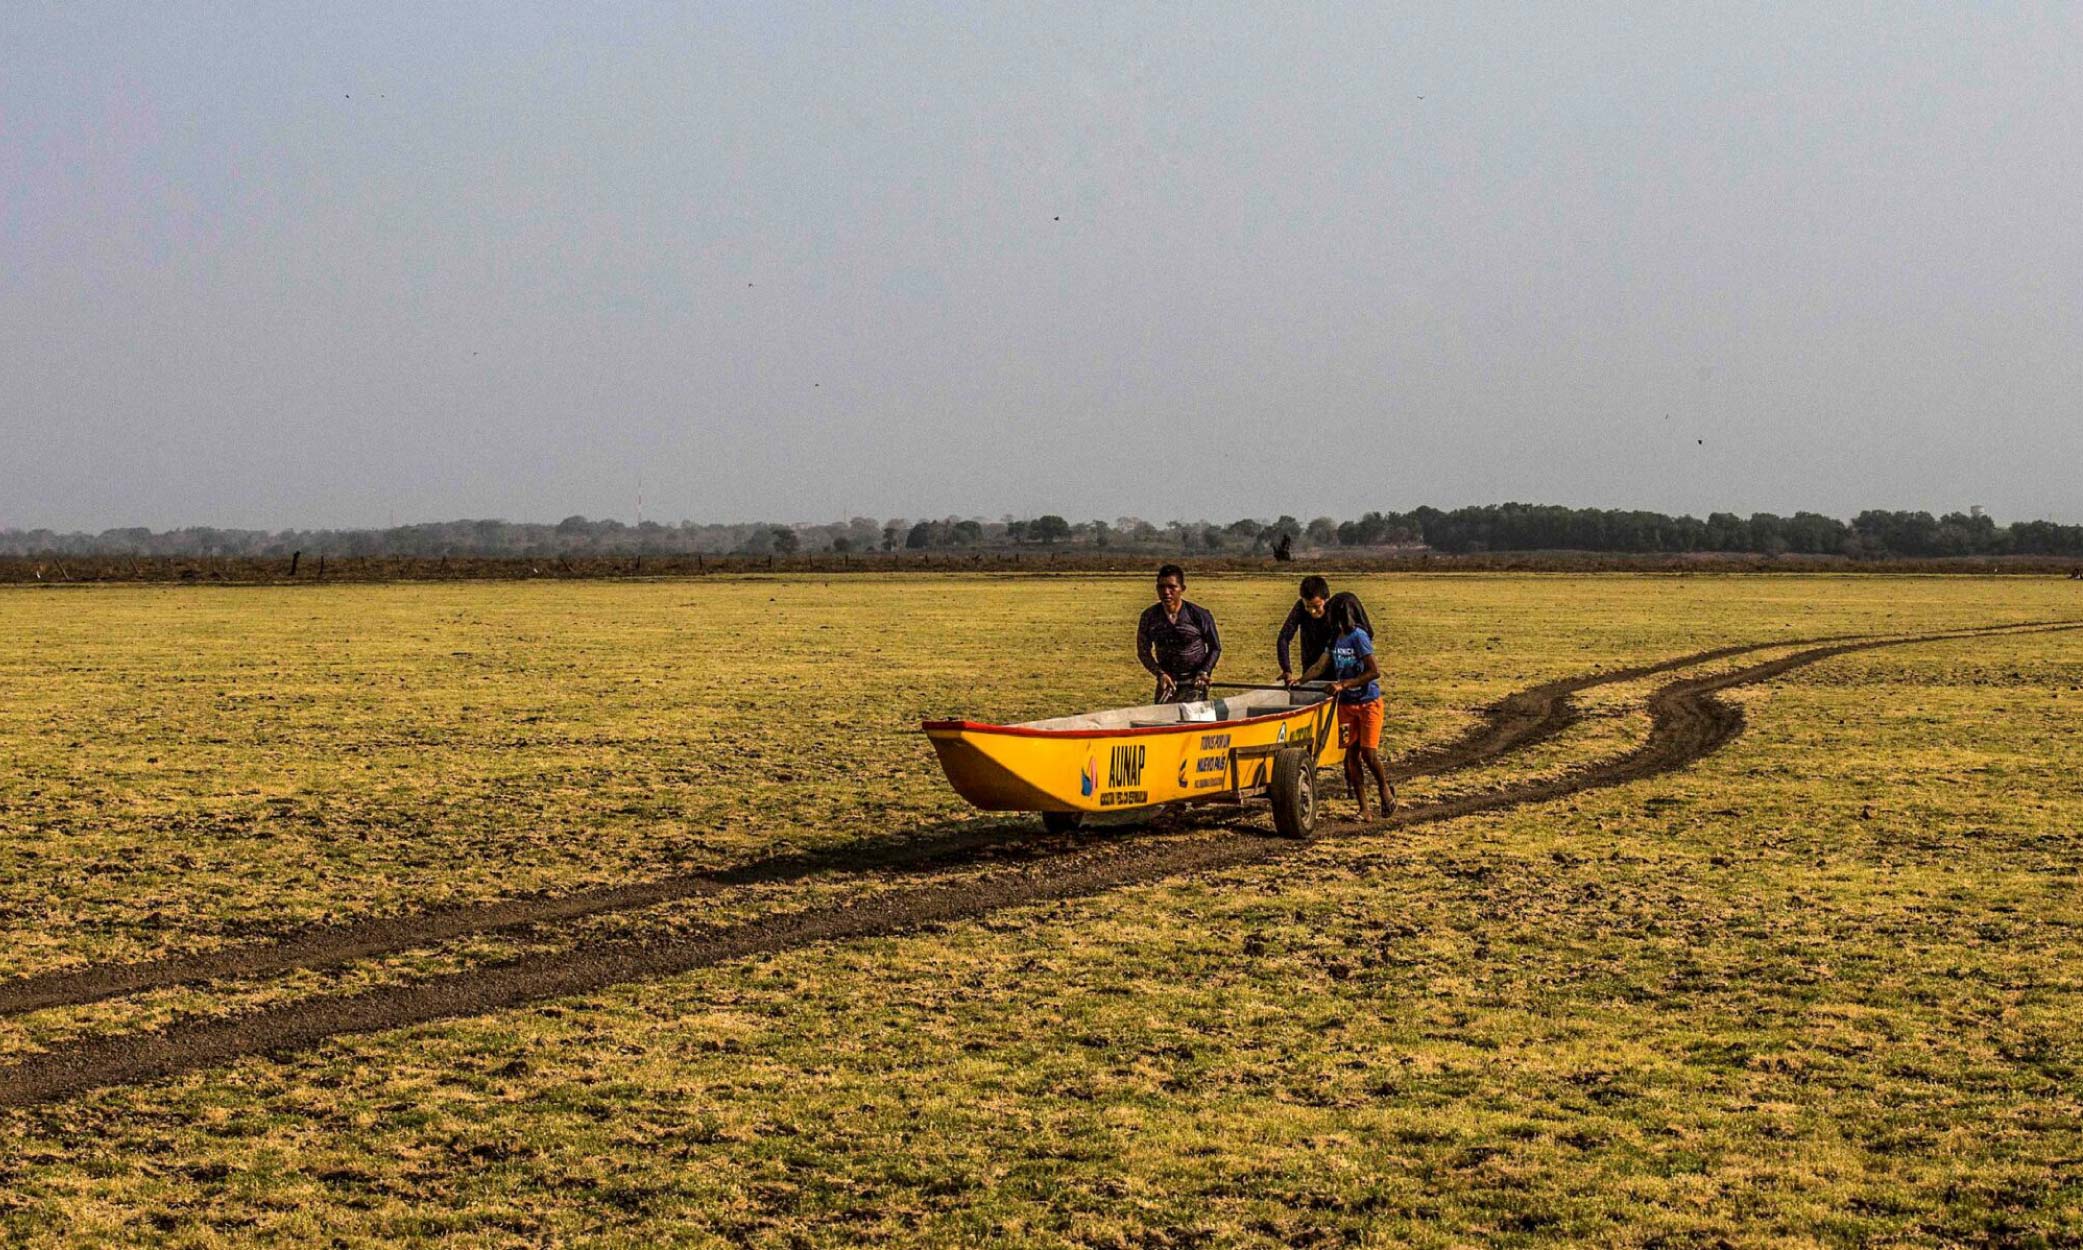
(1186, 726)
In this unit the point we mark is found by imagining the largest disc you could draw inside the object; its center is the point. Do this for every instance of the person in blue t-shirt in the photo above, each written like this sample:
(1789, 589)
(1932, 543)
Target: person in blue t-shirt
(1357, 687)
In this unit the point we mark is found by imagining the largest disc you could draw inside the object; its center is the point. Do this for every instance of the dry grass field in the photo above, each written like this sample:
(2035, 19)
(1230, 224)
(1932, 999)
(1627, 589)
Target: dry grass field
(1821, 986)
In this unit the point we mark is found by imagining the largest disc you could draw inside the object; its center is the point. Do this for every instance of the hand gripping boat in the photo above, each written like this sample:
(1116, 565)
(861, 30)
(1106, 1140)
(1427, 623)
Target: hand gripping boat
(1268, 741)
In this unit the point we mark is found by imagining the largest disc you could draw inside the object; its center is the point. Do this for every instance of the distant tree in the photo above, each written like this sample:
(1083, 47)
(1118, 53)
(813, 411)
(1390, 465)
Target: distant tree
(1810, 533)
(1727, 532)
(1016, 531)
(129, 541)
(1767, 534)
(1970, 533)
(920, 537)
(891, 533)
(2045, 538)
(1896, 533)
(1371, 530)
(842, 544)
(785, 541)
(1322, 531)
(1102, 533)
(967, 533)
(1211, 538)
(1048, 528)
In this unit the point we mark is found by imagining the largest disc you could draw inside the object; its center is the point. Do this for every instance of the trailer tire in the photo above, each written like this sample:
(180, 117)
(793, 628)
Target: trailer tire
(1062, 822)
(1294, 792)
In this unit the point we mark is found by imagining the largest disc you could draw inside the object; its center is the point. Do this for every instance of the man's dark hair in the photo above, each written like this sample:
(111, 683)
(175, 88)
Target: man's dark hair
(1315, 587)
(1172, 570)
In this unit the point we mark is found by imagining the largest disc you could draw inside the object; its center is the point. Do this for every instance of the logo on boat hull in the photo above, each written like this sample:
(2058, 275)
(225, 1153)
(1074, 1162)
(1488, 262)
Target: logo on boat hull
(1125, 766)
(1088, 781)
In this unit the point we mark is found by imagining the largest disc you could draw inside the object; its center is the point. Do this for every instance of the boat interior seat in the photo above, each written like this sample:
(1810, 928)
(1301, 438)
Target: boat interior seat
(1212, 712)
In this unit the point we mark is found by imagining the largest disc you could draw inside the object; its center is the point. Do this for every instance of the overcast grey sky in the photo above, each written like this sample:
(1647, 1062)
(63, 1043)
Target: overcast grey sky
(331, 264)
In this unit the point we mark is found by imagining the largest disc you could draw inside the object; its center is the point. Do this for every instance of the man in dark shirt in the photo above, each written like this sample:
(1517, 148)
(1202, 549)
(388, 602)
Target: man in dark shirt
(1313, 617)
(1176, 641)
(1308, 619)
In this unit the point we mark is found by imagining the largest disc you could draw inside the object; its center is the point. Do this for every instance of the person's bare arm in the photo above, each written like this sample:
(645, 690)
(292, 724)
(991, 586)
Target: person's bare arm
(1366, 675)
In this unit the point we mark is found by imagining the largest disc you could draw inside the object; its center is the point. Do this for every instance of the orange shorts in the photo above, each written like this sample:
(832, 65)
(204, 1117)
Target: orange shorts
(1359, 725)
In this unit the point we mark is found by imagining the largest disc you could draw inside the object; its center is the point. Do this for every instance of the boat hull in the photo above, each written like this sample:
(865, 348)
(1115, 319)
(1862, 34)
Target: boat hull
(1017, 768)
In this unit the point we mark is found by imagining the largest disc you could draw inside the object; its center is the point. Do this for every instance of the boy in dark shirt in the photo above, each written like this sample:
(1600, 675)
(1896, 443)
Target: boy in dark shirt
(1312, 618)
(1307, 619)
(1177, 642)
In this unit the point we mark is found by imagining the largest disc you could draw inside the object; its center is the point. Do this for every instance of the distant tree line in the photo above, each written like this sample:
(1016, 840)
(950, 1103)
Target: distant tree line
(1510, 527)
(1871, 534)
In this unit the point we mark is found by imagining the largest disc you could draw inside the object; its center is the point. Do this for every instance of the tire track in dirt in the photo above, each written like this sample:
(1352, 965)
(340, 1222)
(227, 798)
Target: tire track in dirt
(1538, 713)
(1513, 723)
(1687, 724)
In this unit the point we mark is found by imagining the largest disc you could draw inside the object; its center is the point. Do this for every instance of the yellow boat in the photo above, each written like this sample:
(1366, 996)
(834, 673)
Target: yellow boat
(1264, 741)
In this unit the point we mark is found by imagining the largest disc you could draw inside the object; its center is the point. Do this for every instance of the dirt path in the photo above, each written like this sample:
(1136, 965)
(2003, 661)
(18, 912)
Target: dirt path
(1687, 723)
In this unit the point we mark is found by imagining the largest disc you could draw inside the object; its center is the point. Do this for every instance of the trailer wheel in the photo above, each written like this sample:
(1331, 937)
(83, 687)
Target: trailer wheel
(1294, 792)
(1062, 822)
